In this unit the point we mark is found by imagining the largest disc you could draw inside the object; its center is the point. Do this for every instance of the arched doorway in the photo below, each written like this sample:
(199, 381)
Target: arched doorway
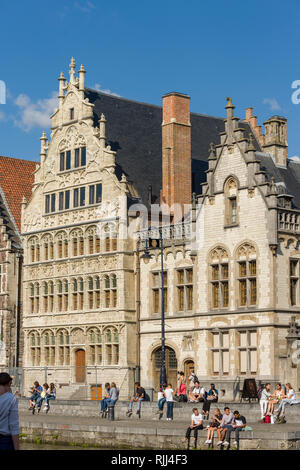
(80, 366)
(171, 367)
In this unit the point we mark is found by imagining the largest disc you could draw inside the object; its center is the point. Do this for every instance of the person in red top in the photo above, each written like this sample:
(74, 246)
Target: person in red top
(181, 392)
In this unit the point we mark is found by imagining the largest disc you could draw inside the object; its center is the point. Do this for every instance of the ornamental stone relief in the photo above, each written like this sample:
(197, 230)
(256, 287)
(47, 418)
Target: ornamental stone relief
(32, 221)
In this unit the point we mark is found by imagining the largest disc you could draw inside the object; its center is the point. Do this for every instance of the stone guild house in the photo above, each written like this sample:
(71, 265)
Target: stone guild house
(231, 272)
(16, 178)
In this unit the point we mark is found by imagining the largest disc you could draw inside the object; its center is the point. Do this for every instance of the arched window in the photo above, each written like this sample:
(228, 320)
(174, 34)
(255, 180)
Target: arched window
(37, 298)
(80, 293)
(95, 351)
(51, 295)
(114, 290)
(91, 292)
(111, 346)
(66, 294)
(35, 348)
(97, 291)
(31, 297)
(75, 294)
(107, 291)
(246, 275)
(45, 296)
(219, 278)
(231, 201)
(63, 348)
(59, 296)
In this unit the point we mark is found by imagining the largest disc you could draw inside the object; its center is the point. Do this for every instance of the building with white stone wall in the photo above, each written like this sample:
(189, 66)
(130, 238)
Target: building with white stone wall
(231, 273)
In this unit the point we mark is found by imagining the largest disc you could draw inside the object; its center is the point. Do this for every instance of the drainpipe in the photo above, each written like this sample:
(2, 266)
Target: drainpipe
(18, 301)
(138, 310)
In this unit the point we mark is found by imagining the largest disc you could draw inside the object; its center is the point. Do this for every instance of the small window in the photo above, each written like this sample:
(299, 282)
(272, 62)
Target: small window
(52, 202)
(98, 193)
(76, 201)
(83, 156)
(62, 161)
(92, 195)
(72, 114)
(67, 199)
(82, 196)
(47, 204)
(61, 201)
(68, 160)
(76, 162)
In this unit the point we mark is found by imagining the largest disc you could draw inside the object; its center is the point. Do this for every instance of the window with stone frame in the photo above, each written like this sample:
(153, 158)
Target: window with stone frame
(97, 292)
(34, 248)
(65, 295)
(49, 348)
(63, 342)
(246, 275)
(95, 350)
(35, 348)
(294, 282)
(157, 290)
(75, 294)
(184, 289)
(220, 353)
(111, 346)
(247, 352)
(110, 291)
(110, 237)
(59, 296)
(45, 296)
(37, 298)
(31, 297)
(62, 245)
(80, 293)
(231, 202)
(219, 278)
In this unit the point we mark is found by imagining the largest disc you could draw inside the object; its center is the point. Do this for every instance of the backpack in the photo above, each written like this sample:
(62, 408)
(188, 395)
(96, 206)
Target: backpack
(267, 419)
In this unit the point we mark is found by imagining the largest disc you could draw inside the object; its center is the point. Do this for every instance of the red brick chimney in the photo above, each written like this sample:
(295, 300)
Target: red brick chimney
(176, 150)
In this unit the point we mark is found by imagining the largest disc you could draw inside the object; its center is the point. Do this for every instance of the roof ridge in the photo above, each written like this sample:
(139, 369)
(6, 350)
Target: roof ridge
(149, 104)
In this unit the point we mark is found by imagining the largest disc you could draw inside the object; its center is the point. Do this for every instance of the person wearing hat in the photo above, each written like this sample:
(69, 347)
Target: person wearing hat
(9, 417)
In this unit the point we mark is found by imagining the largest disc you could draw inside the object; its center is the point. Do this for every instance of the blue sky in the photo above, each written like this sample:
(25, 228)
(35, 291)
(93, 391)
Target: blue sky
(141, 50)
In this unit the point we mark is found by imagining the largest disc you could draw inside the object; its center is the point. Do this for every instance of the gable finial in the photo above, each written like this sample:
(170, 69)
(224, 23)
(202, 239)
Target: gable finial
(72, 70)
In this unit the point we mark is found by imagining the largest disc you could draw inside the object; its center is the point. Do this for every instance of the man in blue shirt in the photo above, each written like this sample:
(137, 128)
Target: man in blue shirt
(36, 392)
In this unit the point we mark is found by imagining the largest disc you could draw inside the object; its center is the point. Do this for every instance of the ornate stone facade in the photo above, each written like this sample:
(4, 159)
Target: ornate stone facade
(79, 314)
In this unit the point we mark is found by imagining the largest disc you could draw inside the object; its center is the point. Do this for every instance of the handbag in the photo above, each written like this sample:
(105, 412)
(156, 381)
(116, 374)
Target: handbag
(267, 419)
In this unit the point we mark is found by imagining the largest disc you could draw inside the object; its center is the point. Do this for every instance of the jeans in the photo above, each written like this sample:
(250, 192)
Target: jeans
(6, 443)
(229, 431)
(107, 402)
(286, 401)
(195, 429)
(170, 405)
(263, 407)
(49, 397)
(39, 401)
(161, 403)
(35, 396)
(139, 403)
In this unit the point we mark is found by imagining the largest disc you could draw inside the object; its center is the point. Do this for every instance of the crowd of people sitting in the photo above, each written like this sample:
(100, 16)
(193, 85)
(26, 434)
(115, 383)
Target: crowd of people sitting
(272, 404)
(39, 394)
(223, 424)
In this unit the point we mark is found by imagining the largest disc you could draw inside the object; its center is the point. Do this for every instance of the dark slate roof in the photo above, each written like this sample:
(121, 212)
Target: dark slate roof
(133, 129)
(289, 176)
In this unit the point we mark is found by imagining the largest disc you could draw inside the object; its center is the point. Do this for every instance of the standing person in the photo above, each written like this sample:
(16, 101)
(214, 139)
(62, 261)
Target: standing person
(168, 393)
(161, 399)
(288, 399)
(139, 397)
(264, 400)
(213, 426)
(227, 420)
(193, 379)
(51, 395)
(196, 424)
(9, 418)
(237, 425)
(36, 392)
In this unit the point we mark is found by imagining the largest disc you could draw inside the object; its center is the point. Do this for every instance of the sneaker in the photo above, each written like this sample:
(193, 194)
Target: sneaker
(220, 443)
(207, 441)
(235, 443)
(226, 444)
(128, 413)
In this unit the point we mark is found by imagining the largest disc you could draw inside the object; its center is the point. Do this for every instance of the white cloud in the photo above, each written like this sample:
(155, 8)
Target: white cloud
(35, 114)
(273, 103)
(295, 158)
(85, 7)
(98, 87)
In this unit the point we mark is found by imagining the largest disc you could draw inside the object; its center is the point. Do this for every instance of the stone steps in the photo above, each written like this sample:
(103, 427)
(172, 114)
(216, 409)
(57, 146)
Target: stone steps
(182, 412)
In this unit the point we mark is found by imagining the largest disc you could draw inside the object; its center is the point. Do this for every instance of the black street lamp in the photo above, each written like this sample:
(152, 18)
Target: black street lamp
(147, 256)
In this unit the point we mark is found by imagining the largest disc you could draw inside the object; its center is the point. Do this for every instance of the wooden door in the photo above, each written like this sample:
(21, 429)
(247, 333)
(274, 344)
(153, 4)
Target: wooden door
(189, 367)
(171, 367)
(96, 392)
(80, 365)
